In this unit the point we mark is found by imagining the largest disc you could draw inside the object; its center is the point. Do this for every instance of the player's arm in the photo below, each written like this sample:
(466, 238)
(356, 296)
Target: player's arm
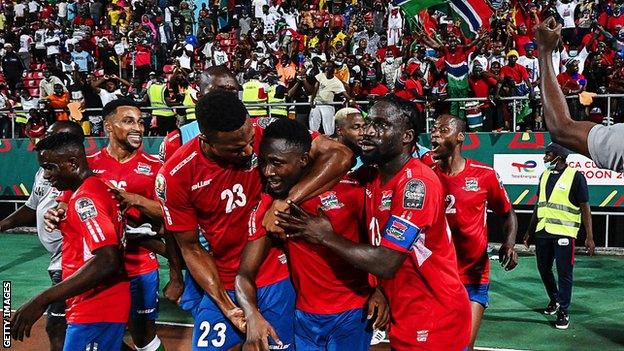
(23, 216)
(378, 260)
(507, 255)
(175, 287)
(258, 329)
(563, 130)
(150, 208)
(204, 270)
(105, 263)
(331, 161)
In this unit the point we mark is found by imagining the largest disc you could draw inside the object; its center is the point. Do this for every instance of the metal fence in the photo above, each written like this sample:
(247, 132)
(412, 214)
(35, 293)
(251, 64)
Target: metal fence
(429, 112)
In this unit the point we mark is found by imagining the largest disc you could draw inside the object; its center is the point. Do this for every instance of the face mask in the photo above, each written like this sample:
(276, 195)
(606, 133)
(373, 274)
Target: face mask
(339, 63)
(550, 165)
(389, 59)
(359, 57)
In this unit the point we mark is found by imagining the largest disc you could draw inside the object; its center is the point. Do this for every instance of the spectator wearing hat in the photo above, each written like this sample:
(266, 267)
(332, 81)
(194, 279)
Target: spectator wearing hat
(572, 83)
(517, 76)
(561, 209)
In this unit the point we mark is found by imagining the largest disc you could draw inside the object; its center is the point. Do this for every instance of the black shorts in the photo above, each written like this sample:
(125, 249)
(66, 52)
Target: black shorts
(56, 310)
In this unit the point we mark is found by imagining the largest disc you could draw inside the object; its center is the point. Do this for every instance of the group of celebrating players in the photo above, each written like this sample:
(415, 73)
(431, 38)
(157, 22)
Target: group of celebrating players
(290, 239)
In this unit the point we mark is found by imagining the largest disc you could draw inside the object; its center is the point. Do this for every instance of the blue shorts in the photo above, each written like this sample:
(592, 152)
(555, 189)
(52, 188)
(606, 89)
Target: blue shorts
(348, 330)
(192, 295)
(94, 336)
(144, 293)
(213, 331)
(479, 293)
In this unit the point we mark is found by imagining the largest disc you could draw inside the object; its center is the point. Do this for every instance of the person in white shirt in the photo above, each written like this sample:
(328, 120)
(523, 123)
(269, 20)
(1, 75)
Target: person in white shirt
(52, 43)
(326, 88)
(269, 19)
(258, 5)
(565, 9)
(531, 63)
(111, 92)
(26, 42)
(61, 8)
(219, 57)
(33, 10)
(20, 13)
(186, 57)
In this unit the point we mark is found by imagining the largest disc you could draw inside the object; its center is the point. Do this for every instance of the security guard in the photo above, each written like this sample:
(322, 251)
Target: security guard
(253, 93)
(561, 208)
(158, 95)
(190, 100)
(276, 94)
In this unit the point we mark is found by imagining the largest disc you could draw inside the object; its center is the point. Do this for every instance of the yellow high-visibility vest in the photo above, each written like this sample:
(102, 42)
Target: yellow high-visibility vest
(156, 94)
(188, 101)
(557, 215)
(278, 110)
(251, 92)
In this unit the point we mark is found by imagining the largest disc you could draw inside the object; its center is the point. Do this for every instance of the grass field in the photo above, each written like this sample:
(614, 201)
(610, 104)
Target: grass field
(513, 320)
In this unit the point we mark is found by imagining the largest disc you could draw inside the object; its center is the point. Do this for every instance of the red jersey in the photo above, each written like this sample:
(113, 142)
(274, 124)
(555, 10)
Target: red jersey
(170, 144)
(469, 194)
(429, 304)
(518, 72)
(324, 282)
(137, 176)
(92, 222)
(197, 192)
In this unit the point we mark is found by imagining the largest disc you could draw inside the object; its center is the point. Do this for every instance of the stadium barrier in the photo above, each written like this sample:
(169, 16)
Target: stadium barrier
(513, 103)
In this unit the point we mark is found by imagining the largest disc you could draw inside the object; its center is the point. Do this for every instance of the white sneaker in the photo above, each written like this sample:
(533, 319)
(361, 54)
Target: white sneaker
(378, 337)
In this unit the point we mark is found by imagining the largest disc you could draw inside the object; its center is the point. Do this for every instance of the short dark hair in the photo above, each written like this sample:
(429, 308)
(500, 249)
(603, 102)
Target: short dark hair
(407, 111)
(293, 132)
(220, 111)
(71, 127)
(61, 141)
(112, 106)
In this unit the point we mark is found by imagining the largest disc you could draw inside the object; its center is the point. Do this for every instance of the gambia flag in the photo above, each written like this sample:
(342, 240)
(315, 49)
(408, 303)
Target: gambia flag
(473, 13)
(411, 8)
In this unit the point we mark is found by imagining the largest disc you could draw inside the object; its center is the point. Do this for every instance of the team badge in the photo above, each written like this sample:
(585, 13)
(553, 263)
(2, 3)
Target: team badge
(329, 201)
(386, 200)
(161, 187)
(397, 230)
(472, 184)
(414, 194)
(144, 169)
(86, 209)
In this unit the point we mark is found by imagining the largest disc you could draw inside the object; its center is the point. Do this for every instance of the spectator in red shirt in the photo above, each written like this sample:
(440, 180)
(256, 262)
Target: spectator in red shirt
(518, 74)
(573, 83)
(482, 84)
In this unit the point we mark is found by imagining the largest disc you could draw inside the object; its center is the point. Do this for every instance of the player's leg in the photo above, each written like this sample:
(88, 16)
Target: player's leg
(478, 294)
(564, 256)
(545, 256)
(277, 303)
(56, 323)
(94, 336)
(144, 311)
(212, 330)
(352, 331)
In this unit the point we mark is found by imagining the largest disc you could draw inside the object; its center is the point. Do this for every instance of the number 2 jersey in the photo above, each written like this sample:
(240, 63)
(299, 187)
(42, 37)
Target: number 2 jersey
(197, 192)
(429, 304)
(469, 195)
(137, 176)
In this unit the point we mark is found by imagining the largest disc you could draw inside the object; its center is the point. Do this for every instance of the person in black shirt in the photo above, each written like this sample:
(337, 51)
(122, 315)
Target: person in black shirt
(12, 67)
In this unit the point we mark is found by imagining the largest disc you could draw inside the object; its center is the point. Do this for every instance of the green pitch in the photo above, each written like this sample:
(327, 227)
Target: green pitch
(513, 320)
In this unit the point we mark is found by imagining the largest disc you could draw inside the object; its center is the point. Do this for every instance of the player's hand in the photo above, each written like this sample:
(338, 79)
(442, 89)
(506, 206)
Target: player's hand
(237, 317)
(53, 216)
(258, 332)
(299, 224)
(268, 222)
(547, 35)
(525, 240)
(173, 290)
(590, 246)
(378, 303)
(25, 317)
(125, 199)
(508, 257)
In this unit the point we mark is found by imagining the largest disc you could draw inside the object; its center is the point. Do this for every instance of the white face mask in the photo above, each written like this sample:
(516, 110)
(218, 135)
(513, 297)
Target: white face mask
(550, 165)
(389, 59)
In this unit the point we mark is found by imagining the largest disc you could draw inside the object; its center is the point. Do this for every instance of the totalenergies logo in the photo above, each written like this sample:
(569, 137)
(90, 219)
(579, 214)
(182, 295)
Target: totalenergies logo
(526, 167)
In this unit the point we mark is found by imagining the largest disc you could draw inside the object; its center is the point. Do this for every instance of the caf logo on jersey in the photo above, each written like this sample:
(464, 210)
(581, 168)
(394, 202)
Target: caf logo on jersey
(85, 209)
(472, 184)
(161, 187)
(397, 230)
(329, 201)
(386, 200)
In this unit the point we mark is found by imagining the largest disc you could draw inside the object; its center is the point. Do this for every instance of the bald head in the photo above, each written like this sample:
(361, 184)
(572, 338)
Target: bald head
(217, 78)
(65, 127)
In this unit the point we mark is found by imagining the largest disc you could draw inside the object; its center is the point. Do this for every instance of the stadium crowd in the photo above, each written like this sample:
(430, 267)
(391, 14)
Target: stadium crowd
(74, 54)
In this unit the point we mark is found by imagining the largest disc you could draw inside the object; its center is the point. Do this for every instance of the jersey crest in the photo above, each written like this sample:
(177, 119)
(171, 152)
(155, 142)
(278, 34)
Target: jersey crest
(329, 201)
(386, 200)
(472, 184)
(414, 194)
(144, 169)
(86, 209)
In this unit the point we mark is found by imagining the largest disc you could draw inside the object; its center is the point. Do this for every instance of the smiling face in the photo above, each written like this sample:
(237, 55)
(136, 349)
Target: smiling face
(125, 127)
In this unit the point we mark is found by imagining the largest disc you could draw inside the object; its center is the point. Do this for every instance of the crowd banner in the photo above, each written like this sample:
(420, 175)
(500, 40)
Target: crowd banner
(517, 157)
